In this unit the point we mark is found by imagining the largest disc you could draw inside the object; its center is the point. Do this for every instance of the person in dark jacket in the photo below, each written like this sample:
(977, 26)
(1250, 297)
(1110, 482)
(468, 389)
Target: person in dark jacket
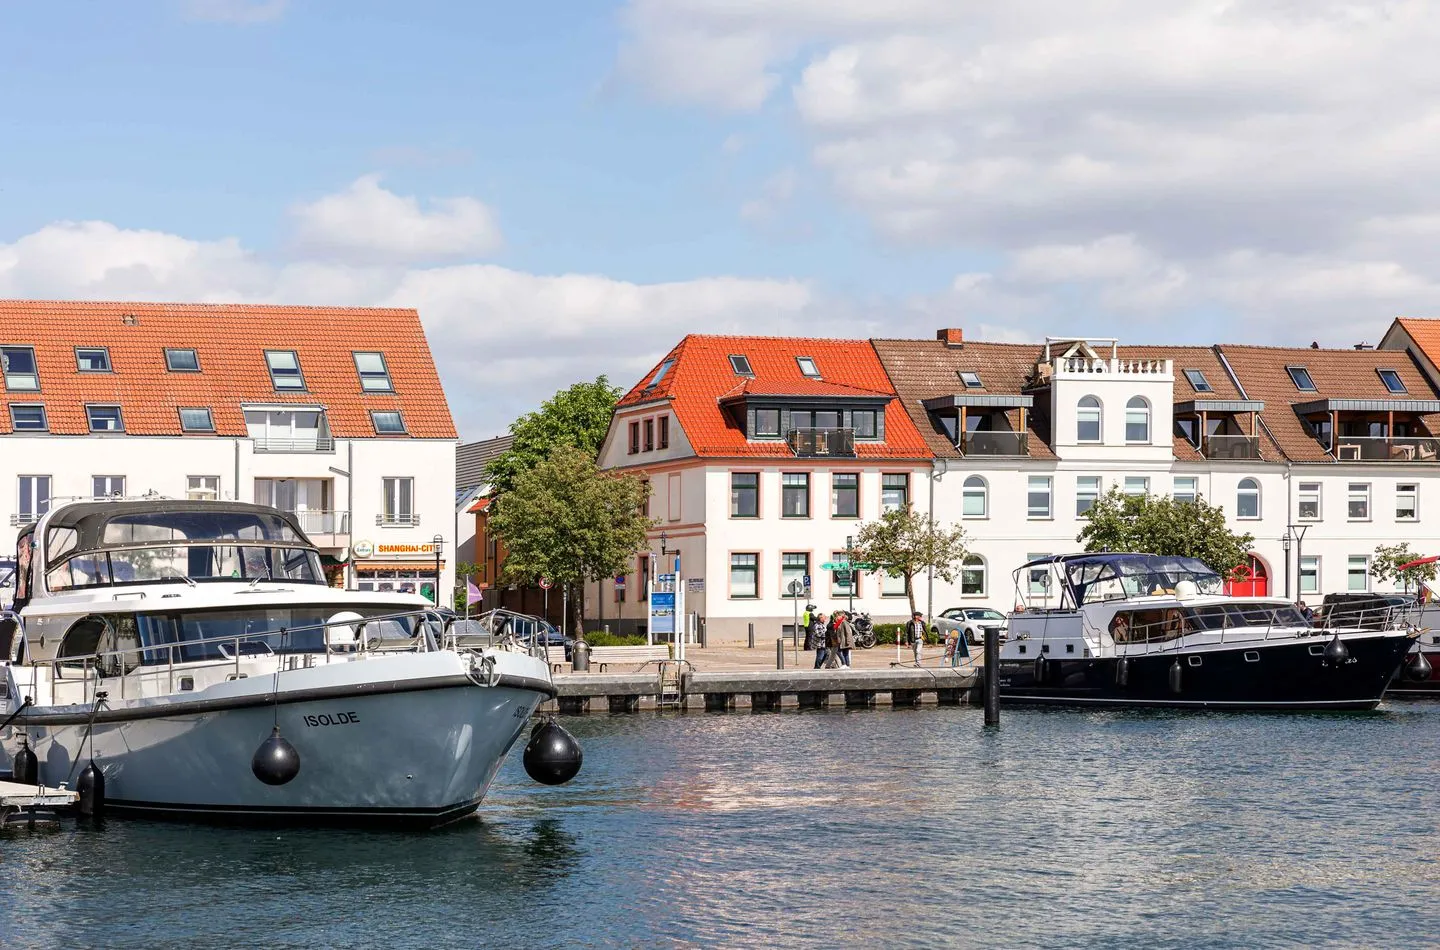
(815, 638)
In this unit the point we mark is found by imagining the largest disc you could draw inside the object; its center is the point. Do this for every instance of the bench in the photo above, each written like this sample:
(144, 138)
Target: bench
(555, 656)
(602, 656)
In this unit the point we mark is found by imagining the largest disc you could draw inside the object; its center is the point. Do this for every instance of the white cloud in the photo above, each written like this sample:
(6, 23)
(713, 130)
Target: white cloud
(234, 11)
(368, 224)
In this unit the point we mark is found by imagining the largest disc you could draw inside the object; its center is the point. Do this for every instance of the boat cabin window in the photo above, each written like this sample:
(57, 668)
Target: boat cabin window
(219, 634)
(1105, 577)
(1245, 614)
(82, 641)
(1149, 626)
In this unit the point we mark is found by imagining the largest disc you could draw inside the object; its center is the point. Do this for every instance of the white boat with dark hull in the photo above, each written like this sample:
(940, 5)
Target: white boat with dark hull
(1152, 631)
(164, 640)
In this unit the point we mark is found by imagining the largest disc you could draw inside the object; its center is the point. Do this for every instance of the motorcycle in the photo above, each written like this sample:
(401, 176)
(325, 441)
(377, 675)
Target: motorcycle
(864, 632)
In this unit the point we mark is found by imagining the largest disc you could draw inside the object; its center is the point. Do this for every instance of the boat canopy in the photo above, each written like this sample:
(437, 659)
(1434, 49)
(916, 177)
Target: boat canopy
(1091, 578)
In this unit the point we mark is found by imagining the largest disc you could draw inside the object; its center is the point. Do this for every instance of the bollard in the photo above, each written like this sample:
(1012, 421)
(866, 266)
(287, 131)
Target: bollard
(580, 657)
(752, 636)
(992, 676)
(700, 631)
(779, 653)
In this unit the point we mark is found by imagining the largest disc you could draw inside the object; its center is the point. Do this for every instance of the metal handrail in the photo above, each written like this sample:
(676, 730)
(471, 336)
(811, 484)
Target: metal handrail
(1229, 635)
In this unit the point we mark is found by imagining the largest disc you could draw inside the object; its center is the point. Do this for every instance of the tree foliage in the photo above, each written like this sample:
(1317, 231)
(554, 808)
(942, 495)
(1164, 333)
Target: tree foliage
(578, 416)
(1385, 566)
(1158, 524)
(565, 520)
(902, 544)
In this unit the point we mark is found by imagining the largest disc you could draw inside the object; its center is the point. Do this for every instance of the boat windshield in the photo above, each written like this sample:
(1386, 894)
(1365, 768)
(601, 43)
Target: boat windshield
(1121, 576)
(219, 634)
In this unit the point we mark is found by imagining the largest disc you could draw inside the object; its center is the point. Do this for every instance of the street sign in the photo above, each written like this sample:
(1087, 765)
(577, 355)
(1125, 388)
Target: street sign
(835, 566)
(807, 581)
(842, 576)
(620, 581)
(796, 588)
(544, 583)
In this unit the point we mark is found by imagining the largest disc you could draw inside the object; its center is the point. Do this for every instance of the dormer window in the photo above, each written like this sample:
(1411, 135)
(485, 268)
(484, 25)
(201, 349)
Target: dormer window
(104, 419)
(182, 361)
(1198, 382)
(741, 365)
(388, 423)
(92, 359)
(1300, 376)
(971, 380)
(28, 418)
(284, 369)
(1392, 381)
(660, 374)
(374, 377)
(18, 363)
(807, 367)
(196, 420)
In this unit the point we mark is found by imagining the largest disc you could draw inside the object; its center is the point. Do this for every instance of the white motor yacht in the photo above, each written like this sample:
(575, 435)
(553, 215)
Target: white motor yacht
(193, 651)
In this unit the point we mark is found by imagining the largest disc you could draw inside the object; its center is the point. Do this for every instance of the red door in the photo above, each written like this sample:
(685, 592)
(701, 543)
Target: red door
(1249, 579)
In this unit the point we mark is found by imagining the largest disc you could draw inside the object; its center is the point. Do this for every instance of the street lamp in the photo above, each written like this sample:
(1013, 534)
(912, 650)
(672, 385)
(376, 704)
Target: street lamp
(439, 542)
(1297, 531)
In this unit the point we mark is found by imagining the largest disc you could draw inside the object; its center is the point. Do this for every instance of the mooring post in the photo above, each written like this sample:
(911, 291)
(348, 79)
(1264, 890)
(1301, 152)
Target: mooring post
(992, 676)
(779, 653)
(752, 636)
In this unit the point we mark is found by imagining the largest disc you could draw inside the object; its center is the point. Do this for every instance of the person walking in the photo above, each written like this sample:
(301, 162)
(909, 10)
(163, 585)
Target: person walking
(845, 638)
(915, 630)
(832, 641)
(815, 638)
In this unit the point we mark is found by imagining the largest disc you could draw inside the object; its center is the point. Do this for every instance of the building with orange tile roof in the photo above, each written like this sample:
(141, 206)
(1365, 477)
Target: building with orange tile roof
(336, 414)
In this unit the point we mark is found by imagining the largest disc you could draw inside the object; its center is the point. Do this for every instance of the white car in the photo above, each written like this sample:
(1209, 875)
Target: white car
(972, 622)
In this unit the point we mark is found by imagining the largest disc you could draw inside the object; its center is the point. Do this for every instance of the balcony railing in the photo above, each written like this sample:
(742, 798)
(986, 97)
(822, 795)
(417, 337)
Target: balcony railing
(24, 518)
(1354, 448)
(822, 443)
(1230, 447)
(314, 444)
(323, 522)
(409, 520)
(1130, 367)
(995, 443)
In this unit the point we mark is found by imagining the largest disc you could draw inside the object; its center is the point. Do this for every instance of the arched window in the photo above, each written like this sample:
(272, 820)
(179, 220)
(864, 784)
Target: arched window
(1137, 420)
(972, 576)
(1087, 419)
(975, 498)
(1247, 499)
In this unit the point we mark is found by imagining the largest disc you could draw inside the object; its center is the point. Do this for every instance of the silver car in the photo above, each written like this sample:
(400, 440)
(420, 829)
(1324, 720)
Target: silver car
(972, 622)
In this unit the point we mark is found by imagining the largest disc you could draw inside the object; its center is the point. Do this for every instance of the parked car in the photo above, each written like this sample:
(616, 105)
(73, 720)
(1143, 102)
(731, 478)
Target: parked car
(1369, 611)
(972, 622)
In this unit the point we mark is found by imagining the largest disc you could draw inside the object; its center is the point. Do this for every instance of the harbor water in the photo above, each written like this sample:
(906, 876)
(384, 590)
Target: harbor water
(879, 827)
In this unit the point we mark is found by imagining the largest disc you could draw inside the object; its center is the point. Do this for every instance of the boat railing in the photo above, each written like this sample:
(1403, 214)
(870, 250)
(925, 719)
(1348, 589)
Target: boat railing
(1177, 633)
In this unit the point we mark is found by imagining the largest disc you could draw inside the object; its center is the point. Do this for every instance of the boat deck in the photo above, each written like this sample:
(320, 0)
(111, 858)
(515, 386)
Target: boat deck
(13, 795)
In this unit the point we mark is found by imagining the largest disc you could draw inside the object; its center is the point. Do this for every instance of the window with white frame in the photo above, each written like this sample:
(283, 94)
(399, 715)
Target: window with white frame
(1038, 579)
(1407, 501)
(202, 487)
(1307, 505)
(974, 498)
(1087, 492)
(1037, 497)
(34, 497)
(745, 575)
(1087, 419)
(1137, 485)
(1357, 573)
(1187, 488)
(1137, 420)
(794, 567)
(1247, 499)
(107, 486)
(972, 576)
(399, 502)
(892, 585)
(1309, 575)
(1357, 501)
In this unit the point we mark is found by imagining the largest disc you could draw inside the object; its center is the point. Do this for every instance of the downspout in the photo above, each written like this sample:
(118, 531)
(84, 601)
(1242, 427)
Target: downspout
(235, 490)
(944, 466)
(350, 579)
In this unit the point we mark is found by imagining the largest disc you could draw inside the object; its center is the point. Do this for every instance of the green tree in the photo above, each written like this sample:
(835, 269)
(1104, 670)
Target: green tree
(578, 416)
(1158, 524)
(903, 542)
(566, 520)
(1385, 566)
(464, 571)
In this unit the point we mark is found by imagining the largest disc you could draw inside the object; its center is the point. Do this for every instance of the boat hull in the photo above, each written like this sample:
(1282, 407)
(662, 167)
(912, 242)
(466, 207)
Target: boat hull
(1283, 675)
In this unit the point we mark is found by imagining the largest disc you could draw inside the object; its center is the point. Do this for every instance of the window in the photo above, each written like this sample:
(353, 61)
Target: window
(1087, 492)
(864, 422)
(1137, 485)
(1392, 381)
(972, 576)
(1358, 506)
(842, 583)
(892, 585)
(1309, 575)
(807, 367)
(28, 418)
(284, 369)
(744, 494)
(202, 487)
(1307, 506)
(1137, 420)
(845, 495)
(388, 423)
(1198, 382)
(34, 496)
(649, 435)
(374, 376)
(894, 491)
(744, 575)
(794, 567)
(93, 359)
(182, 361)
(767, 423)
(1300, 376)
(634, 437)
(741, 365)
(105, 419)
(399, 501)
(971, 380)
(107, 486)
(1186, 489)
(1357, 573)
(664, 437)
(196, 420)
(1087, 419)
(1037, 498)
(18, 363)
(660, 374)
(302, 429)
(795, 495)
(974, 498)
(1038, 579)
(1247, 499)
(1407, 501)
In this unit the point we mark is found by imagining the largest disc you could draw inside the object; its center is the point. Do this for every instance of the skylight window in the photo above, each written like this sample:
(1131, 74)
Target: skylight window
(807, 367)
(196, 420)
(1300, 376)
(182, 361)
(388, 423)
(95, 359)
(18, 362)
(1198, 382)
(971, 380)
(741, 365)
(284, 369)
(105, 418)
(1392, 381)
(660, 374)
(28, 418)
(374, 377)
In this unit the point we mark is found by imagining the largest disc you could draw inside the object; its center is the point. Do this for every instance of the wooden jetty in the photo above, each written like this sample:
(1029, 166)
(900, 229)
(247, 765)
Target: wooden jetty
(32, 804)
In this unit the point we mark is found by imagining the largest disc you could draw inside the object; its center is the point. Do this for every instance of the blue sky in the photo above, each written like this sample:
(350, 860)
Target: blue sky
(564, 189)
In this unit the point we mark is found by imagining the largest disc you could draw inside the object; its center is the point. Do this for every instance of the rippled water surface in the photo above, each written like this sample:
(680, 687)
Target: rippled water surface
(874, 827)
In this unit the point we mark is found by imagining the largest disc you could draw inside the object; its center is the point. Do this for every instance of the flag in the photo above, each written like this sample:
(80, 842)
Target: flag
(473, 594)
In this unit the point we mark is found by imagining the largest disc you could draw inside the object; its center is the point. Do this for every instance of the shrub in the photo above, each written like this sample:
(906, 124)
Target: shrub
(599, 638)
(887, 632)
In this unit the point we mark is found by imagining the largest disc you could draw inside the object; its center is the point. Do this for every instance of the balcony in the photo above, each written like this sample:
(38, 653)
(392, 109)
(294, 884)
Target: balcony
(311, 444)
(1000, 443)
(822, 443)
(400, 520)
(1079, 365)
(1354, 448)
(1230, 447)
(325, 528)
(24, 518)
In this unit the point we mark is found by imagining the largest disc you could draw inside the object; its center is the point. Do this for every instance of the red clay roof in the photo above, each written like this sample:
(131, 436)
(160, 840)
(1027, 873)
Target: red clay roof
(701, 377)
(230, 341)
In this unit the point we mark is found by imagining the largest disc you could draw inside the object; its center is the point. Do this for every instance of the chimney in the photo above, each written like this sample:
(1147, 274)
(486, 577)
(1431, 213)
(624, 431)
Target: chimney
(953, 336)
(129, 319)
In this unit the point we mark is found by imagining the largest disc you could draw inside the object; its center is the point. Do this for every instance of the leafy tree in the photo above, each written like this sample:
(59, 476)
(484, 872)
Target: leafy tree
(903, 542)
(464, 571)
(1385, 566)
(578, 416)
(566, 520)
(1158, 524)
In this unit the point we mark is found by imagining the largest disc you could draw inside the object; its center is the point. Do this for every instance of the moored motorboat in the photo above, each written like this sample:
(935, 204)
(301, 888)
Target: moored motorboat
(1155, 631)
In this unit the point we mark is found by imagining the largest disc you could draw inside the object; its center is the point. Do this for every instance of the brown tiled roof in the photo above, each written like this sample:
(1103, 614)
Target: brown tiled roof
(229, 340)
(1205, 359)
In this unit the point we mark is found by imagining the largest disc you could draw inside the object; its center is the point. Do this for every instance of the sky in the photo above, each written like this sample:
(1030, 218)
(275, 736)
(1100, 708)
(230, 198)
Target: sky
(566, 189)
